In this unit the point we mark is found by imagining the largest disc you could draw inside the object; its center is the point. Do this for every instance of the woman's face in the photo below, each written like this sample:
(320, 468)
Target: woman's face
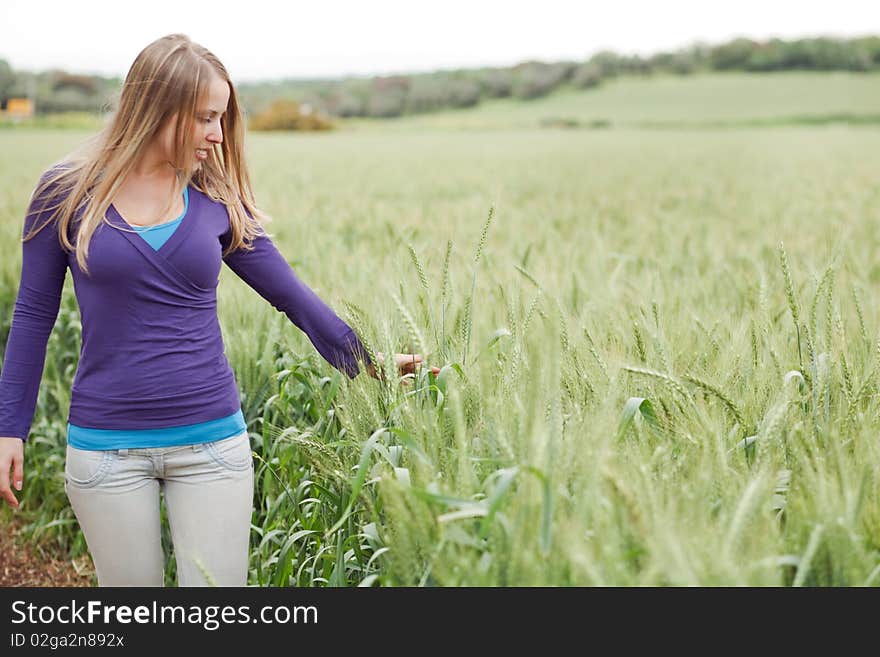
(206, 131)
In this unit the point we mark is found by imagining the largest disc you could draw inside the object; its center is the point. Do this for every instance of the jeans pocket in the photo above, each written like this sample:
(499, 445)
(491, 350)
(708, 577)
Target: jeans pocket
(86, 468)
(232, 453)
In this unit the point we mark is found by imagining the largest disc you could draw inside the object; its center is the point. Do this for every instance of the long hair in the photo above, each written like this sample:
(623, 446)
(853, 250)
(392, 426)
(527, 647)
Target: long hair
(169, 78)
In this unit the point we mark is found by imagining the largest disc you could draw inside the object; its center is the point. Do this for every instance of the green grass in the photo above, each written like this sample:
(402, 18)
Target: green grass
(619, 266)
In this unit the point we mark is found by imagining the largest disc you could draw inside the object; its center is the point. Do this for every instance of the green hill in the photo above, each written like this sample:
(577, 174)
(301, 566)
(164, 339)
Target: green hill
(706, 100)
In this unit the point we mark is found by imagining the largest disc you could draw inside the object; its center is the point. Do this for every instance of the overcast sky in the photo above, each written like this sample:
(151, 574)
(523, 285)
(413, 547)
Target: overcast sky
(257, 39)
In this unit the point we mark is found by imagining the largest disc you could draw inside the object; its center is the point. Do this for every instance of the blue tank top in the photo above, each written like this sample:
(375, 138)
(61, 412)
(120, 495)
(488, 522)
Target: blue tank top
(187, 434)
(157, 235)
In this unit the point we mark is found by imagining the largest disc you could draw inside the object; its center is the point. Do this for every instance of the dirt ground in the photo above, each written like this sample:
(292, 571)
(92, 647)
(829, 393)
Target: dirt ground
(24, 564)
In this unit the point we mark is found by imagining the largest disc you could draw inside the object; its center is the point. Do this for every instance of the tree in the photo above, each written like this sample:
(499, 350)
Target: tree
(285, 114)
(7, 79)
(587, 76)
(732, 55)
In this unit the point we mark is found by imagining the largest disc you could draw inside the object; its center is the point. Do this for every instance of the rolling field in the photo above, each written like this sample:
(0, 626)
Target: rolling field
(662, 346)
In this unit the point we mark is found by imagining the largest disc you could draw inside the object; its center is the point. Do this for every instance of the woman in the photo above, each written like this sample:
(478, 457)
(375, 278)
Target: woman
(143, 215)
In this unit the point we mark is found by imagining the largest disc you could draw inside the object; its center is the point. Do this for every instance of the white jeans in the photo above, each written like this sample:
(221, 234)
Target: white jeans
(208, 491)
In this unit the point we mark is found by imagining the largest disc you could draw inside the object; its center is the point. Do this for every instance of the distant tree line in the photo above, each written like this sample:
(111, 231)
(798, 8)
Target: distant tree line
(391, 96)
(57, 90)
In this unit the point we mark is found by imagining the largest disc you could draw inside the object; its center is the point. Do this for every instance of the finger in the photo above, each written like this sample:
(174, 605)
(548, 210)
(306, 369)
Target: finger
(5, 491)
(410, 362)
(18, 471)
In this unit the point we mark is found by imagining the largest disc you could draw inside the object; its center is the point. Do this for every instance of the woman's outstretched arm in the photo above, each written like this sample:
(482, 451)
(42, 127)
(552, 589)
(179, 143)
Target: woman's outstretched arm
(266, 271)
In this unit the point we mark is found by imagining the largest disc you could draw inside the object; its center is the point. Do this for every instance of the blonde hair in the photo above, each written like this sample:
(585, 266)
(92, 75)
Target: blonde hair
(169, 77)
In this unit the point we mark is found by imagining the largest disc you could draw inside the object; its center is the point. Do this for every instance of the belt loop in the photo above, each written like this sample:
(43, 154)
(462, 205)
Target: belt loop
(197, 447)
(122, 452)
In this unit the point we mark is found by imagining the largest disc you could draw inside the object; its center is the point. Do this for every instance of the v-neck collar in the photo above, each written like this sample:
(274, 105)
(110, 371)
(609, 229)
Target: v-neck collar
(160, 258)
(180, 233)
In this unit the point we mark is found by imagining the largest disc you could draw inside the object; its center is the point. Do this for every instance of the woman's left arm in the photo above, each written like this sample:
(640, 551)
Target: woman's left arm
(267, 271)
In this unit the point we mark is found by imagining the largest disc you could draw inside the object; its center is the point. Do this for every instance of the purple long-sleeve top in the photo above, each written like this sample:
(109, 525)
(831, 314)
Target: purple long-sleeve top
(152, 352)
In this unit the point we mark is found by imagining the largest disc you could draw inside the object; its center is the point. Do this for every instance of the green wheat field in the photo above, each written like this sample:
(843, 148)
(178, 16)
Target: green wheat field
(659, 334)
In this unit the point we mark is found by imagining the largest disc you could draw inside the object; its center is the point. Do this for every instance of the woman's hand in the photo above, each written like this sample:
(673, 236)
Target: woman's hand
(11, 456)
(406, 364)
